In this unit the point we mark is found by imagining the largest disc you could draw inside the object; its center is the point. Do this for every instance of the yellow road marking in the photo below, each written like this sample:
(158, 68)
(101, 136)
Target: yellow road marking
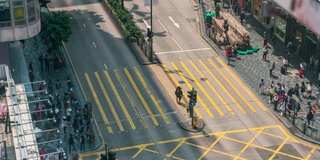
(152, 96)
(176, 148)
(311, 152)
(202, 89)
(140, 150)
(248, 91)
(213, 89)
(222, 86)
(199, 115)
(210, 148)
(231, 85)
(224, 133)
(155, 122)
(83, 93)
(119, 100)
(95, 97)
(249, 143)
(130, 99)
(190, 87)
(263, 148)
(103, 88)
(278, 149)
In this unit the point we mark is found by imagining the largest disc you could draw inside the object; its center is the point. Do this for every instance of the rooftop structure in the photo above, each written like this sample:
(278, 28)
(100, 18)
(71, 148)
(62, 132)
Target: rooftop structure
(19, 19)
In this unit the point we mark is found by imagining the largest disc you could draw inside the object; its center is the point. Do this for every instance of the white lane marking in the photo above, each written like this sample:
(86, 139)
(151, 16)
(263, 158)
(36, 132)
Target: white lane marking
(174, 23)
(105, 66)
(145, 22)
(84, 25)
(94, 44)
(177, 43)
(150, 10)
(188, 50)
(162, 25)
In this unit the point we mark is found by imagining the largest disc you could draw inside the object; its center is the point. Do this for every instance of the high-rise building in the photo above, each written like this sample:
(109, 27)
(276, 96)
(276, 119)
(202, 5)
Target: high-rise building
(19, 19)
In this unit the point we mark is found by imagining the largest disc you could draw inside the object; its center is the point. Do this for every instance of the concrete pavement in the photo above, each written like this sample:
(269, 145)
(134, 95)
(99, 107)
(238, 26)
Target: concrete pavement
(33, 48)
(251, 69)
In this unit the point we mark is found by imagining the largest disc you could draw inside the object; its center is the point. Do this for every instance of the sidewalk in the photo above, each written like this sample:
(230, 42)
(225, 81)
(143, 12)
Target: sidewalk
(33, 48)
(252, 69)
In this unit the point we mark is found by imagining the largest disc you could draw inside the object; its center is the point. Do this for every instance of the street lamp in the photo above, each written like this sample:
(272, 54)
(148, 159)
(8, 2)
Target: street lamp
(150, 35)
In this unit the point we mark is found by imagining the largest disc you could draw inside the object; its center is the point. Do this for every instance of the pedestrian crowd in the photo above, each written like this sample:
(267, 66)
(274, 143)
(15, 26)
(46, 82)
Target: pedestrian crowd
(281, 96)
(57, 108)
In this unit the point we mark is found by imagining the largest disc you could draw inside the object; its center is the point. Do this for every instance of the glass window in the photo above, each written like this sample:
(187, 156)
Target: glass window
(4, 11)
(32, 19)
(17, 3)
(20, 23)
(31, 10)
(18, 13)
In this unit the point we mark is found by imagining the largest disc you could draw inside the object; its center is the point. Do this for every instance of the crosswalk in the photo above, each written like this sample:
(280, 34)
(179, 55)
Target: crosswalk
(128, 98)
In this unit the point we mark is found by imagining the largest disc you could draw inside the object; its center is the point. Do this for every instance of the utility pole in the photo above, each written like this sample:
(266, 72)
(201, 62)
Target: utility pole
(150, 37)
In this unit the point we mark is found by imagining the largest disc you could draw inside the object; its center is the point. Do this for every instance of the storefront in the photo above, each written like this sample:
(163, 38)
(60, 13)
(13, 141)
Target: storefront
(257, 6)
(280, 26)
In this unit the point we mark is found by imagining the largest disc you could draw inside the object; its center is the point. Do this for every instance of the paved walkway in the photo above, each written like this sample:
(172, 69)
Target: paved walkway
(33, 48)
(252, 69)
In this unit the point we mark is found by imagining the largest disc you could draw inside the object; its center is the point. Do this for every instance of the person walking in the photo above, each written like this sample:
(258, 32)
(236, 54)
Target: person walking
(271, 68)
(309, 89)
(31, 77)
(311, 62)
(75, 126)
(261, 86)
(82, 142)
(75, 155)
(71, 143)
(64, 124)
(47, 63)
(179, 94)
(275, 102)
(264, 53)
(319, 80)
(68, 113)
(285, 64)
(288, 57)
(309, 117)
(41, 60)
(242, 17)
(50, 86)
(38, 112)
(58, 86)
(271, 93)
(69, 83)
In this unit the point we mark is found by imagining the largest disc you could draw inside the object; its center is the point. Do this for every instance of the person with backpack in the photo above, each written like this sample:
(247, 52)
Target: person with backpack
(178, 94)
(271, 67)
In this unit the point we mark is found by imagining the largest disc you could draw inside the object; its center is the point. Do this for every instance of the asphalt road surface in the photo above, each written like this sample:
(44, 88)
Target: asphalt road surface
(135, 107)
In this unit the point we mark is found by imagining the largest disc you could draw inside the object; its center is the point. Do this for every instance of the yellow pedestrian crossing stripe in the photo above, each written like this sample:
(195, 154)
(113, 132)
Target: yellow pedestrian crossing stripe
(152, 96)
(190, 87)
(109, 101)
(176, 83)
(95, 97)
(218, 92)
(120, 100)
(141, 97)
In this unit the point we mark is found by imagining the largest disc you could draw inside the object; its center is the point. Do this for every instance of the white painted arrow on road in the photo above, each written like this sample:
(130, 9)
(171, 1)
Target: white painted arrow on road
(174, 23)
(145, 22)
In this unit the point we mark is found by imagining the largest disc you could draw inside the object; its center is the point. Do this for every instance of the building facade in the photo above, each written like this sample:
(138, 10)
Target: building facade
(287, 27)
(19, 19)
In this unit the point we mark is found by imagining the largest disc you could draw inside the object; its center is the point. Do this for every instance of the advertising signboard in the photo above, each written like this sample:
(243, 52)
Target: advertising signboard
(306, 11)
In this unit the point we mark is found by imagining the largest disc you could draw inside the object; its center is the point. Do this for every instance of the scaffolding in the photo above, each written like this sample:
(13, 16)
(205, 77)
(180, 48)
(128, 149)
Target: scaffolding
(18, 111)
